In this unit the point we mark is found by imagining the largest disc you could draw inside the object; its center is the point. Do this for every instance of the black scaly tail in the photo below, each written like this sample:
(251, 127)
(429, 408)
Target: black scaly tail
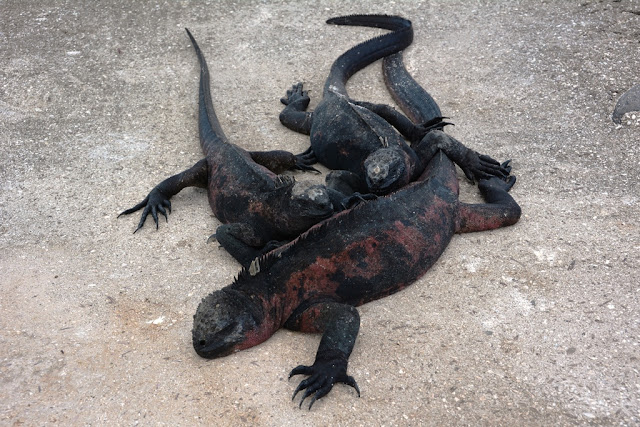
(369, 51)
(208, 124)
(414, 101)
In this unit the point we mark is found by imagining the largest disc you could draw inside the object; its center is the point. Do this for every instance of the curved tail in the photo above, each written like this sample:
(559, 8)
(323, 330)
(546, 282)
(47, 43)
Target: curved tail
(208, 124)
(369, 51)
(414, 101)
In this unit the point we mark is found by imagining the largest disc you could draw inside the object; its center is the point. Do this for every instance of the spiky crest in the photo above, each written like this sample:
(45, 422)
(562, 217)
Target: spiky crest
(261, 264)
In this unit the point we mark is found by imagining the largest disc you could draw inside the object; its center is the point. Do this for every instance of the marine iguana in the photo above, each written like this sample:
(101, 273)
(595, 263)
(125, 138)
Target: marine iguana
(314, 283)
(256, 206)
(369, 252)
(358, 139)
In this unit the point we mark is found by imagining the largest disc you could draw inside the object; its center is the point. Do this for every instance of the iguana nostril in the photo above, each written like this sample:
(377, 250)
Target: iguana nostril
(202, 343)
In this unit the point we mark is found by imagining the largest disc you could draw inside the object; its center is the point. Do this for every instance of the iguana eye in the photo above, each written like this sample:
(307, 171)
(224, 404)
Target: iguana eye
(227, 330)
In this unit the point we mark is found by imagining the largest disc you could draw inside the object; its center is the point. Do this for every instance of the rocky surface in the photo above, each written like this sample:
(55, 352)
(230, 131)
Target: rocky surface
(533, 324)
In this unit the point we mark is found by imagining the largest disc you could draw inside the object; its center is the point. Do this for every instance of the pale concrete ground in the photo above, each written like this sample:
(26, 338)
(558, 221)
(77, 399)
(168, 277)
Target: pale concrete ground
(536, 324)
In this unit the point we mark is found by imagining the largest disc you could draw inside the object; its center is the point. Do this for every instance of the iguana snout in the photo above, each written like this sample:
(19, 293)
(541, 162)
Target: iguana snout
(223, 324)
(311, 200)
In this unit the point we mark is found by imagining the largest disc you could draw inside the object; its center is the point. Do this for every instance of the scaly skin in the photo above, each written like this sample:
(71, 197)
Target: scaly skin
(256, 206)
(373, 250)
(344, 135)
(365, 143)
(420, 107)
(314, 283)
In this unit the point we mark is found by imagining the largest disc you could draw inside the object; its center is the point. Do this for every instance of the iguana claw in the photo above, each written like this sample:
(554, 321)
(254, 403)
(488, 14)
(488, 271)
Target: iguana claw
(357, 198)
(497, 182)
(155, 202)
(435, 123)
(322, 377)
(296, 94)
(304, 167)
(479, 166)
(305, 159)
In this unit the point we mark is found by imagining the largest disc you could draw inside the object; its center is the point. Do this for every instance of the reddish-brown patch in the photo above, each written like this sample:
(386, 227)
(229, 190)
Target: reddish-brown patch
(408, 237)
(368, 266)
(315, 277)
(486, 217)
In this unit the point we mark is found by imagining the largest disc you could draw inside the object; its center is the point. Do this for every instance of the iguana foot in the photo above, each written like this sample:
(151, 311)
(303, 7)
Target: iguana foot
(322, 376)
(497, 183)
(155, 202)
(294, 115)
(242, 241)
(436, 123)
(346, 182)
(478, 166)
(297, 97)
(306, 159)
(279, 161)
(420, 130)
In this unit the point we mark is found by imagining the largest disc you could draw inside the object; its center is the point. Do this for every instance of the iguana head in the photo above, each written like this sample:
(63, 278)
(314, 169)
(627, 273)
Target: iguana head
(387, 170)
(311, 201)
(224, 323)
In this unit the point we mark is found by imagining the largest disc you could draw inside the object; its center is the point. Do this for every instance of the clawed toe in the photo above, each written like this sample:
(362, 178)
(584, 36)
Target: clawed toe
(295, 93)
(304, 167)
(305, 160)
(155, 202)
(322, 377)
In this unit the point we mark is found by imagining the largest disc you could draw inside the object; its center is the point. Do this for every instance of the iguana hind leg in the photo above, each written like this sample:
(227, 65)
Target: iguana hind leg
(278, 161)
(409, 130)
(500, 210)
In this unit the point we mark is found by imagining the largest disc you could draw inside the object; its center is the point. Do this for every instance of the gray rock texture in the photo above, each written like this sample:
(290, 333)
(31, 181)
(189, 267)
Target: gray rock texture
(536, 324)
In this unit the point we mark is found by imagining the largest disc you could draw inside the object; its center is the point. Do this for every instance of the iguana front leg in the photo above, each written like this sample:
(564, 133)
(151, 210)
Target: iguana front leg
(475, 166)
(244, 243)
(158, 199)
(340, 324)
(409, 130)
(278, 161)
(294, 115)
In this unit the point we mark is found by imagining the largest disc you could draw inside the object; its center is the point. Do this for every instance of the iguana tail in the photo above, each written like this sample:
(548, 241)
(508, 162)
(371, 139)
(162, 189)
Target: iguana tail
(208, 124)
(369, 51)
(414, 101)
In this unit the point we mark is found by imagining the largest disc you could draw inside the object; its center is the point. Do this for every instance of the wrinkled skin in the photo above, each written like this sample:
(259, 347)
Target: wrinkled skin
(223, 324)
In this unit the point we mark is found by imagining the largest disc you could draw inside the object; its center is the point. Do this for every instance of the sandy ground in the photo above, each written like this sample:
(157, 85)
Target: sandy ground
(536, 324)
